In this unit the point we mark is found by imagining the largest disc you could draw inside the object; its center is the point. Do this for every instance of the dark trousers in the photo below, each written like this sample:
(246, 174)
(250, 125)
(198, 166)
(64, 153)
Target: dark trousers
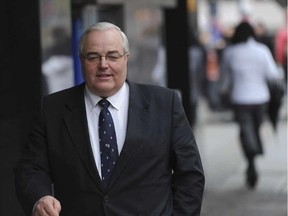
(249, 119)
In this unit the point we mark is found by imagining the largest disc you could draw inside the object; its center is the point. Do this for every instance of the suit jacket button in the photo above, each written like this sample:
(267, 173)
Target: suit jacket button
(106, 199)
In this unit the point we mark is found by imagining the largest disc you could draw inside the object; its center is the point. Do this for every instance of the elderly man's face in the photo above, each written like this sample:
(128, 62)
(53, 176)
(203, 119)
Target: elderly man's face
(104, 63)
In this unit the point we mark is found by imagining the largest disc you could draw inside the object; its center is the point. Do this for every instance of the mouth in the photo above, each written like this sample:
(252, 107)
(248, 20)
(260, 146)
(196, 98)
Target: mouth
(103, 75)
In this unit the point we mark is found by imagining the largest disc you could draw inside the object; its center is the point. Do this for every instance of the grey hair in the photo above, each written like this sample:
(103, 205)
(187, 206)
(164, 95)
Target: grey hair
(102, 26)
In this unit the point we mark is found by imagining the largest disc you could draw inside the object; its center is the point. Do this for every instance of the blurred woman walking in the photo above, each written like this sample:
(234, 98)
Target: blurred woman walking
(246, 68)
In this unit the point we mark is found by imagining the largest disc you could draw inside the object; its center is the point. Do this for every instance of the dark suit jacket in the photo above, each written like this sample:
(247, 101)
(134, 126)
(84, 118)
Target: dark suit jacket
(158, 172)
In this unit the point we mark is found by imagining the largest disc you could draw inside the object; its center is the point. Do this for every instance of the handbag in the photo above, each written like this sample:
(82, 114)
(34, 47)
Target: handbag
(277, 90)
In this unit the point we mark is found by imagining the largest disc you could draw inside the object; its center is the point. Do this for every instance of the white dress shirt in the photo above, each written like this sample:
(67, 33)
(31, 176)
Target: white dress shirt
(119, 111)
(251, 65)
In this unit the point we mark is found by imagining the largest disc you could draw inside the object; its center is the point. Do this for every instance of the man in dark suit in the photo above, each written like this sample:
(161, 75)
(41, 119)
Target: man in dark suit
(158, 170)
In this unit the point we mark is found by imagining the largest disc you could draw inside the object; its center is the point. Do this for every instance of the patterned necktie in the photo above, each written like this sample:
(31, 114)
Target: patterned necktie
(107, 140)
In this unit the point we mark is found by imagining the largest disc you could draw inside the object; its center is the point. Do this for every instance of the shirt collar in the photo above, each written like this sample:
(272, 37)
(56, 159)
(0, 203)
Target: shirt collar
(251, 40)
(115, 100)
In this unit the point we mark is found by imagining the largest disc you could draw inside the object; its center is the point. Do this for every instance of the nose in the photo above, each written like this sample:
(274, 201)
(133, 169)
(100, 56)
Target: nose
(103, 62)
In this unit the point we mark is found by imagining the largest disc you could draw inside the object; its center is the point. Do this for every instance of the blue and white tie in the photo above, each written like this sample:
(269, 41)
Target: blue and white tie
(107, 140)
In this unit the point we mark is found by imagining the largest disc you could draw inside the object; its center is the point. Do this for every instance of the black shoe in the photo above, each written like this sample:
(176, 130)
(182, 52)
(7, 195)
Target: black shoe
(251, 176)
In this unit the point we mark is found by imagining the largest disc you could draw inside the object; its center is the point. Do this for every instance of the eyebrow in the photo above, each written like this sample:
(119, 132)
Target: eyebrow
(109, 52)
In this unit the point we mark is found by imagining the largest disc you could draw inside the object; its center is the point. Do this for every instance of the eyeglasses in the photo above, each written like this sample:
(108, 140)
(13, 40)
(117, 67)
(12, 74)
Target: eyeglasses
(95, 58)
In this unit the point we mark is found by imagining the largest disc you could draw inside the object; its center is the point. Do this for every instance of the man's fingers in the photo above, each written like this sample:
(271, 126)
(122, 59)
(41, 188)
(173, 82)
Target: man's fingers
(57, 206)
(47, 206)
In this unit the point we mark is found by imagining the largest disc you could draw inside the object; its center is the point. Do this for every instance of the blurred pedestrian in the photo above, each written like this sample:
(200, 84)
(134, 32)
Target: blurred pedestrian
(246, 68)
(281, 46)
(57, 66)
(197, 74)
(144, 161)
(263, 36)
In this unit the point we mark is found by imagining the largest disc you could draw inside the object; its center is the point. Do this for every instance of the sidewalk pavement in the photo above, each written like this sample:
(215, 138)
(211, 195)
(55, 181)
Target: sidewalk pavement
(226, 193)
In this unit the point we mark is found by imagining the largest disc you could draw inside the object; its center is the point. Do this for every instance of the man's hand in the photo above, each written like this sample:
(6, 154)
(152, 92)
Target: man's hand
(47, 206)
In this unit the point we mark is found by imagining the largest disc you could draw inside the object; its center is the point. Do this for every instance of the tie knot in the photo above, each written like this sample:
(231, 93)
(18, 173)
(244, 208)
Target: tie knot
(104, 103)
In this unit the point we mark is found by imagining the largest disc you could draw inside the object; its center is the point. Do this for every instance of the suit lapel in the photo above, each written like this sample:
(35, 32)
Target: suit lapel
(76, 123)
(137, 122)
